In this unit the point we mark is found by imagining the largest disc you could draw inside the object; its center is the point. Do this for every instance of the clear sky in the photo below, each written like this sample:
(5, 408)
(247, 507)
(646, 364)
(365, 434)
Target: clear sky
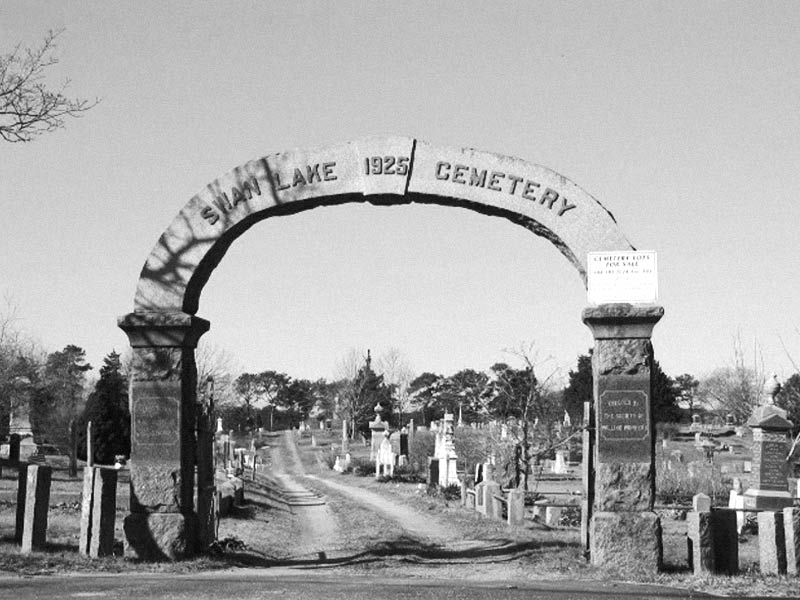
(683, 118)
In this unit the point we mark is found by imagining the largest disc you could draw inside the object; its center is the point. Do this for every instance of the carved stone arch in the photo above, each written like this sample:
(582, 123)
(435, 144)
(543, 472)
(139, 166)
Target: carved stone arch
(377, 170)
(172, 433)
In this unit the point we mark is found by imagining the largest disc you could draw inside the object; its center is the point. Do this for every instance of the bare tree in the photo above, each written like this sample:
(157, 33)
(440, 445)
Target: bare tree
(737, 389)
(397, 372)
(28, 107)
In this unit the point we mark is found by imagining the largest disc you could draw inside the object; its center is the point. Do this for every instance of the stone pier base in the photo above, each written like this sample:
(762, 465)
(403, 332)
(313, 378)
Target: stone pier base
(628, 541)
(160, 536)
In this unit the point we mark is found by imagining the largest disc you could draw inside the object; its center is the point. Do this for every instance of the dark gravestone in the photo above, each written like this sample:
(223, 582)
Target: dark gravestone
(13, 448)
(433, 471)
(37, 503)
(104, 512)
(403, 444)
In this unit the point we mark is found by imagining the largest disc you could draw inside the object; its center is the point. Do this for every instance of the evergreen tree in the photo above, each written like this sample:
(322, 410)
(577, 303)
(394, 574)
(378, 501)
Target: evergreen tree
(579, 389)
(107, 409)
(59, 397)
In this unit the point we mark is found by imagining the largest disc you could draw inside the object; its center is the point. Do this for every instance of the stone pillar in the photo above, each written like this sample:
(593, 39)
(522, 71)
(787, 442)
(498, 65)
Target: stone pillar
(516, 507)
(770, 487)
(206, 483)
(104, 512)
(791, 529)
(37, 503)
(771, 543)
(712, 541)
(624, 532)
(162, 523)
(345, 438)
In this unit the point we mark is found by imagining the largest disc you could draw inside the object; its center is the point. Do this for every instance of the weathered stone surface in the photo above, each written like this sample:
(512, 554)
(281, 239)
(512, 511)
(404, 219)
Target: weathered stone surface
(87, 504)
(771, 543)
(701, 503)
(155, 487)
(22, 493)
(700, 541)
(383, 170)
(104, 512)
(713, 545)
(791, 534)
(160, 536)
(726, 541)
(622, 320)
(623, 487)
(493, 506)
(627, 542)
(37, 504)
(623, 357)
(516, 507)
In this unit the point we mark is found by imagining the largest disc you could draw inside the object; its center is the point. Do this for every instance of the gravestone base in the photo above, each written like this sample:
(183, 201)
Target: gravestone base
(628, 541)
(767, 499)
(160, 536)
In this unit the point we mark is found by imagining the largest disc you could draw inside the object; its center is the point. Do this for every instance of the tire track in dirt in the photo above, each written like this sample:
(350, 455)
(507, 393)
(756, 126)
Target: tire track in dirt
(318, 532)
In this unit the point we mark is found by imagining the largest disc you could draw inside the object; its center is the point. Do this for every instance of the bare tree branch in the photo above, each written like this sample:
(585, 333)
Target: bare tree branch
(29, 107)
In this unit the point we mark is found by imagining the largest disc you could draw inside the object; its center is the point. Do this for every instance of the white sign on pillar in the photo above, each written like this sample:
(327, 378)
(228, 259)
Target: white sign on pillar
(625, 276)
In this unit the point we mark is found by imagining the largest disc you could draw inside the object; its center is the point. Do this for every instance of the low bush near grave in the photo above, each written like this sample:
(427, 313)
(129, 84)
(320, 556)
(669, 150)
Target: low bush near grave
(405, 474)
(363, 467)
(679, 483)
(450, 492)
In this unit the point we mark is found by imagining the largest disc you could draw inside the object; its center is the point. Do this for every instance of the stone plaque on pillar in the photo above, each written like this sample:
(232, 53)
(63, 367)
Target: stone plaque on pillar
(155, 420)
(623, 420)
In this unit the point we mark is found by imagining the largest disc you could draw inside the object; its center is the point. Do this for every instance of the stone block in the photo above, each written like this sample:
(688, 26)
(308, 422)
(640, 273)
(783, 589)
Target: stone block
(471, 499)
(37, 503)
(22, 490)
(771, 543)
(626, 541)
(552, 515)
(623, 487)
(726, 541)
(480, 498)
(700, 541)
(104, 512)
(701, 503)
(516, 507)
(160, 536)
(493, 506)
(87, 503)
(791, 534)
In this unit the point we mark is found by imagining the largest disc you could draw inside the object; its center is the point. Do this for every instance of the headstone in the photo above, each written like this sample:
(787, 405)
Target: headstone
(771, 543)
(701, 503)
(104, 513)
(736, 503)
(337, 465)
(791, 534)
(503, 431)
(219, 425)
(769, 486)
(561, 466)
(447, 453)
(385, 461)
(313, 441)
(492, 507)
(404, 442)
(712, 541)
(37, 503)
(377, 428)
(516, 507)
(552, 515)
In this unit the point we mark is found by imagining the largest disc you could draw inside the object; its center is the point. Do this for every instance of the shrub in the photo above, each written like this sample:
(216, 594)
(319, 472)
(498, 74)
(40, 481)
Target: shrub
(679, 484)
(363, 467)
(406, 474)
(451, 492)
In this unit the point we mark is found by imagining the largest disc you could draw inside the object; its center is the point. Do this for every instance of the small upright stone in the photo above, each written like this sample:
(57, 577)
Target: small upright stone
(771, 543)
(791, 529)
(701, 503)
(37, 502)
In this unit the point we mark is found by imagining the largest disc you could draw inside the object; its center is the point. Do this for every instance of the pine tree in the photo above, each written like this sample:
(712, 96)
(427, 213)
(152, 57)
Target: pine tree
(107, 409)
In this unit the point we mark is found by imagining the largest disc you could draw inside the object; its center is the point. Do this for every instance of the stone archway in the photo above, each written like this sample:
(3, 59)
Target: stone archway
(165, 520)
